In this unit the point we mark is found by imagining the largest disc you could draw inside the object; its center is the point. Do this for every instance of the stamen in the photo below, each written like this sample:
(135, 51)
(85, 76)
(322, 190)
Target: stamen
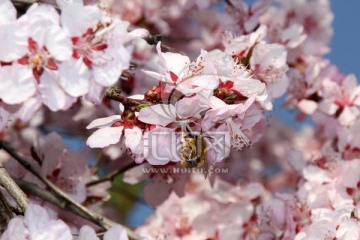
(237, 136)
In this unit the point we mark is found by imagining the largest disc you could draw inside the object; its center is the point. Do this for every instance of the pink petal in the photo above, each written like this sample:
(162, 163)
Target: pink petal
(161, 146)
(160, 114)
(189, 107)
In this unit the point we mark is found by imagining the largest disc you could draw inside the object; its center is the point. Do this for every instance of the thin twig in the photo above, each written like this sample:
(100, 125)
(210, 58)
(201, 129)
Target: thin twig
(13, 189)
(47, 196)
(35, 190)
(65, 199)
(110, 177)
(114, 94)
(97, 163)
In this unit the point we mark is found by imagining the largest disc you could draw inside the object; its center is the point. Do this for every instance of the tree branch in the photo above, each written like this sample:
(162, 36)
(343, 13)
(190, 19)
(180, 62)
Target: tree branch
(13, 189)
(5, 213)
(66, 201)
(110, 177)
(114, 94)
(35, 190)
(25, 1)
(29, 2)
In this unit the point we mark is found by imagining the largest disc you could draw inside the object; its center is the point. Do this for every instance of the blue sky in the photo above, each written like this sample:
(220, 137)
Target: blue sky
(345, 44)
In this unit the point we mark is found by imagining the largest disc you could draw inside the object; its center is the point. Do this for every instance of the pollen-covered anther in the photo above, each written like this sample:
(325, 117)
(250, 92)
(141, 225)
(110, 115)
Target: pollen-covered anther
(238, 138)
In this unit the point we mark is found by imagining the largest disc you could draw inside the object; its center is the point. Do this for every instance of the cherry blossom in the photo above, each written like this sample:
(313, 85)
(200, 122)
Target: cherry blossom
(37, 223)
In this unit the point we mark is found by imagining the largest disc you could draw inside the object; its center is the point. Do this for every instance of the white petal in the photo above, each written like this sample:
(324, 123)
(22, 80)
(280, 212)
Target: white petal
(293, 36)
(74, 77)
(116, 233)
(104, 137)
(7, 12)
(137, 33)
(307, 106)
(173, 62)
(269, 55)
(133, 140)
(316, 175)
(189, 107)
(55, 229)
(87, 233)
(108, 74)
(248, 87)
(160, 114)
(349, 84)
(76, 18)
(102, 122)
(52, 94)
(328, 107)
(29, 108)
(348, 230)
(348, 116)
(196, 84)
(36, 217)
(95, 94)
(17, 84)
(58, 44)
(16, 229)
(41, 14)
(13, 42)
(161, 146)
(155, 75)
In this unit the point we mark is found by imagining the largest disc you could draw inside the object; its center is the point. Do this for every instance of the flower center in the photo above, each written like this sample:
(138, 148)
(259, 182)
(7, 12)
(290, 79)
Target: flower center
(238, 138)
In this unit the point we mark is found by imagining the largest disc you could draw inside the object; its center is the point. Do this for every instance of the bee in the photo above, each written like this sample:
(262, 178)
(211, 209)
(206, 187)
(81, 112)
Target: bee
(193, 150)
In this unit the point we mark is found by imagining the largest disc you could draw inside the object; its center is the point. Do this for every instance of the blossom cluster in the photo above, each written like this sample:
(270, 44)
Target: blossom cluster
(223, 91)
(53, 59)
(217, 93)
(42, 223)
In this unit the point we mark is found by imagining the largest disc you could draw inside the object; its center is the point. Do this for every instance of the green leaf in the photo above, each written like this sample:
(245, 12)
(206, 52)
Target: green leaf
(141, 106)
